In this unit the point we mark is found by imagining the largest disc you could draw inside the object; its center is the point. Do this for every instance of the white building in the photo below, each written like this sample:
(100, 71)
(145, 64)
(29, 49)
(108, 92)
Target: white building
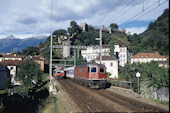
(92, 53)
(10, 56)
(111, 65)
(148, 57)
(123, 53)
(12, 65)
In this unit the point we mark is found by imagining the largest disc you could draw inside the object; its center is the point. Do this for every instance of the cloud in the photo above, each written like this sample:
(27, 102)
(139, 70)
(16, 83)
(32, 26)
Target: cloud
(136, 30)
(34, 16)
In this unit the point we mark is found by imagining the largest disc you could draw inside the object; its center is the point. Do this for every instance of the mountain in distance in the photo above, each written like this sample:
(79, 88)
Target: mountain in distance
(13, 44)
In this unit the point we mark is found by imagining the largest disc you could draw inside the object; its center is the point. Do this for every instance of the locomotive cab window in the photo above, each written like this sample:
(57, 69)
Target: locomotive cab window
(58, 71)
(102, 70)
(62, 71)
(93, 69)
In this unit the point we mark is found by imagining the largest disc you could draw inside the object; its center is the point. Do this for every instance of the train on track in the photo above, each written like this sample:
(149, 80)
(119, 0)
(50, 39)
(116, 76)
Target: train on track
(59, 73)
(92, 75)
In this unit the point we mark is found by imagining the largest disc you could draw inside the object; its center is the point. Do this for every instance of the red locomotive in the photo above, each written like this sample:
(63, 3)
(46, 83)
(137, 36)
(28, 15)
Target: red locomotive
(59, 73)
(91, 74)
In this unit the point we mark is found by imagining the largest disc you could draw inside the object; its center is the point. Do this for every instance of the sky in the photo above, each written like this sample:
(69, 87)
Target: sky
(27, 18)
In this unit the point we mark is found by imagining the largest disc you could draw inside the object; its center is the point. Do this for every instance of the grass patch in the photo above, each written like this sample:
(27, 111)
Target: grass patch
(2, 91)
(161, 102)
(52, 104)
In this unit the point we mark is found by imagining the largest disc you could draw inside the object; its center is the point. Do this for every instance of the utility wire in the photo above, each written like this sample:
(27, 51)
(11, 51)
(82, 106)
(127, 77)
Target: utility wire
(147, 13)
(106, 15)
(140, 13)
(51, 30)
(60, 13)
(118, 12)
(125, 12)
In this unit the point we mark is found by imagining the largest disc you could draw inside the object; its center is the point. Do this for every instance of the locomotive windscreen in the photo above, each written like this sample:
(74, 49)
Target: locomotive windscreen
(93, 69)
(102, 70)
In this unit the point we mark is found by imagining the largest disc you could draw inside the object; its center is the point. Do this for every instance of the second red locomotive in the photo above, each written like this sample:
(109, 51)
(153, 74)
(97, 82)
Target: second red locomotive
(59, 73)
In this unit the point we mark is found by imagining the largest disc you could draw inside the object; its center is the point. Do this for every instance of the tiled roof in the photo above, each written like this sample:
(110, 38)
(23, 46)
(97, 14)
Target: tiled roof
(148, 55)
(12, 62)
(106, 58)
(105, 46)
(120, 45)
(37, 58)
(12, 56)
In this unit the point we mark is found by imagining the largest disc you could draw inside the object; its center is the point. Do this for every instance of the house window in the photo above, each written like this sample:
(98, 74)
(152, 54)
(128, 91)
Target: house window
(111, 64)
(11, 68)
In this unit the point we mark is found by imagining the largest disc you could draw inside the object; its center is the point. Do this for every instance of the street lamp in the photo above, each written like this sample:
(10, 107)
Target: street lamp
(138, 75)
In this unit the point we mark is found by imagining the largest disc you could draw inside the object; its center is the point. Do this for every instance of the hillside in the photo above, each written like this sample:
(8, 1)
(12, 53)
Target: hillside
(155, 38)
(13, 44)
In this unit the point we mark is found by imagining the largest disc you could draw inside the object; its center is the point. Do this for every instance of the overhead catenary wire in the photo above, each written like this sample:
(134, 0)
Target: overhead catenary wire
(108, 13)
(58, 22)
(51, 17)
(147, 13)
(118, 12)
(125, 11)
(138, 14)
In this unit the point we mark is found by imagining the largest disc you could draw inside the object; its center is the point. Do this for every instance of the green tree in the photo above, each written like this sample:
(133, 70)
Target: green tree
(29, 74)
(114, 26)
(7, 84)
(154, 75)
(31, 51)
(111, 46)
(80, 60)
(74, 28)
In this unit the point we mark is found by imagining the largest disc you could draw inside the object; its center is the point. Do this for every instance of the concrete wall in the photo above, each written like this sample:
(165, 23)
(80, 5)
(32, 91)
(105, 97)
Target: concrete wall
(161, 94)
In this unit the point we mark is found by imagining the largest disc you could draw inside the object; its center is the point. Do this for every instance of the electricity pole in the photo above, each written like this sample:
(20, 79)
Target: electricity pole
(51, 41)
(100, 46)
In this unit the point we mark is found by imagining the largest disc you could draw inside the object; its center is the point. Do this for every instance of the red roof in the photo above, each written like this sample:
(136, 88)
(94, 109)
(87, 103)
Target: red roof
(105, 46)
(106, 58)
(37, 58)
(148, 55)
(12, 62)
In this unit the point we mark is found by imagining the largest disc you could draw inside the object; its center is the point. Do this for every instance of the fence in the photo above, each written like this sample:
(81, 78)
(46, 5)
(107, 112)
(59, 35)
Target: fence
(119, 83)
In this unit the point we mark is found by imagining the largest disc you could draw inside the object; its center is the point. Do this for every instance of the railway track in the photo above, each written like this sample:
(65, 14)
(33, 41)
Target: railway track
(89, 103)
(85, 101)
(129, 103)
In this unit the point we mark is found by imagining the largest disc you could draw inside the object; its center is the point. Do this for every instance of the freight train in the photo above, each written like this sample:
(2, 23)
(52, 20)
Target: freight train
(92, 75)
